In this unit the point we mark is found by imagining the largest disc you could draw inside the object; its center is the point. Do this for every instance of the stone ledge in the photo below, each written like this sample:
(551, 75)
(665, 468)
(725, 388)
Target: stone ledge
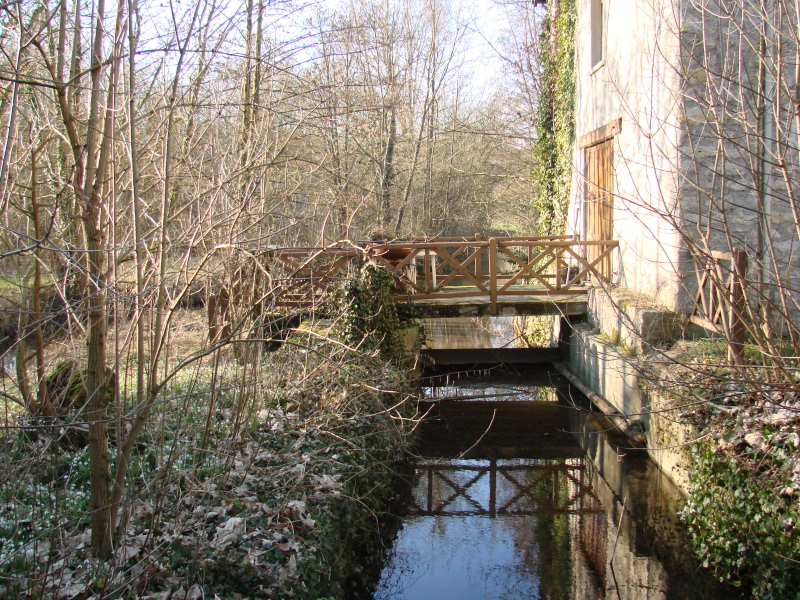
(624, 319)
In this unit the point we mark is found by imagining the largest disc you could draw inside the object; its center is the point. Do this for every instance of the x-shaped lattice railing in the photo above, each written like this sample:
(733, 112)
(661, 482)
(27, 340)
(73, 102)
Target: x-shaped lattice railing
(720, 303)
(449, 267)
(554, 488)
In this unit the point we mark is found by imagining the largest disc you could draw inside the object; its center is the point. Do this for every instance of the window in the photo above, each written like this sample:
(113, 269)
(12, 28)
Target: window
(597, 15)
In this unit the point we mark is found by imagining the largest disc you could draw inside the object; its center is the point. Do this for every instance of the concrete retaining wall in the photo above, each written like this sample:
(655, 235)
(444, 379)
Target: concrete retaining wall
(619, 377)
(622, 318)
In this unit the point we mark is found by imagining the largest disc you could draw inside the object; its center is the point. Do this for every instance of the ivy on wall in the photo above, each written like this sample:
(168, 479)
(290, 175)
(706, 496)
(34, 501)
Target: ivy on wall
(555, 118)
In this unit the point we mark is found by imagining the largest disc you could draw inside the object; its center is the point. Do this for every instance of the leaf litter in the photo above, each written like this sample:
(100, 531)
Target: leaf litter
(282, 511)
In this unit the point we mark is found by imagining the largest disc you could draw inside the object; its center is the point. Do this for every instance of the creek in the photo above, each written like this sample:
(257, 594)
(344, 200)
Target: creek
(520, 490)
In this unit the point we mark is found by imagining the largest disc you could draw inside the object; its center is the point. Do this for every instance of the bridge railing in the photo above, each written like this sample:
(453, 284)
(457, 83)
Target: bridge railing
(308, 276)
(449, 267)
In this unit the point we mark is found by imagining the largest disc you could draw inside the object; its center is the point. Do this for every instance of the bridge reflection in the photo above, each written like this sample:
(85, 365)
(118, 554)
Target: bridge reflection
(522, 487)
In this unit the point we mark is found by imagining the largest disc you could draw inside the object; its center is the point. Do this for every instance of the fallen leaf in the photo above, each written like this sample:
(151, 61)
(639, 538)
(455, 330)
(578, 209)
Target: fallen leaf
(229, 532)
(68, 592)
(194, 593)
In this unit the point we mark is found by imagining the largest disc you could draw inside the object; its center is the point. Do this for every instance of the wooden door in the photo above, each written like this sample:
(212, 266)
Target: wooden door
(599, 205)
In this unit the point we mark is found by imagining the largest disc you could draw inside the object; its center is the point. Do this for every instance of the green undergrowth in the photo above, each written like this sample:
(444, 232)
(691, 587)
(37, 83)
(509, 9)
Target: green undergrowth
(373, 319)
(326, 514)
(272, 483)
(742, 510)
(742, 514)
(538, 331)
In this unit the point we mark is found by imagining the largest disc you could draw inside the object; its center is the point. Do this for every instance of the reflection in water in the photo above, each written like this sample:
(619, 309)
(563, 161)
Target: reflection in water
(473, 332)
(491, 529)
(488, 390)
(460, 557)
(537, 503)
(505, 487)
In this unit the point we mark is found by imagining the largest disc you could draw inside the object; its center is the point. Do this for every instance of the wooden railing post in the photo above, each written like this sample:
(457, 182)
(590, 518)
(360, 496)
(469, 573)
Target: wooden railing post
(426, 269)
(562, 271)
(737, 308)
(478, 267)
(493, 273)
(433, 282)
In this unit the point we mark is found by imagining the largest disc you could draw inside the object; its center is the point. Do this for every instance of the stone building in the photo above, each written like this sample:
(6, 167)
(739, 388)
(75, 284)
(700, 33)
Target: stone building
(686, 141)
(686, 149)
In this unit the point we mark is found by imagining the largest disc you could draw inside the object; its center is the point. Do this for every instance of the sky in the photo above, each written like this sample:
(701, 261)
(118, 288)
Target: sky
(483, 66)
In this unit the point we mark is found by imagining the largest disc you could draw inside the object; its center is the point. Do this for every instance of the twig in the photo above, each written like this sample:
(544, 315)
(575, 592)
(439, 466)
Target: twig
(422, 418)
(614, 549)
(787, 558)
(339, 438)
(494, 413)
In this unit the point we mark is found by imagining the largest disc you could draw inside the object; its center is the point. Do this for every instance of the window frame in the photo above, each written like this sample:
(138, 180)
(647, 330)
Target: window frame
(597, 32)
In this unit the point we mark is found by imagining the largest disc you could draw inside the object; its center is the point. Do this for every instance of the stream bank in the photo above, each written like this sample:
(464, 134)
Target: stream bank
(727, 436)
(283, 500)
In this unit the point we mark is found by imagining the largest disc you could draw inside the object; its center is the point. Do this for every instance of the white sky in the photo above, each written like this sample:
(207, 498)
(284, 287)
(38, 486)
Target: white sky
(490, 23)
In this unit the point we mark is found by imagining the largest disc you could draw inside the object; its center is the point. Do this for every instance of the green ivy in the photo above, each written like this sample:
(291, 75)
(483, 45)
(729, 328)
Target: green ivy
(741, 524)
(555, 117)
(372, 316)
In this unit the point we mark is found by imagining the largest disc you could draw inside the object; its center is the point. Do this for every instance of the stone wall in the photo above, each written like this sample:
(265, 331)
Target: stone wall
(698, 166)
(738, 134)
(637, 84)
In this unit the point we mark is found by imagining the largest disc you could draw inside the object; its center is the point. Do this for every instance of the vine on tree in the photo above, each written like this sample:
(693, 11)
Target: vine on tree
(372, 315)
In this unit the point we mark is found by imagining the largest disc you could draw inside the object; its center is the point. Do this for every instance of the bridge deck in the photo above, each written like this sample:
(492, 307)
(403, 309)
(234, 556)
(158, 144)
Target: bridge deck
(453, 303)
(484, 356)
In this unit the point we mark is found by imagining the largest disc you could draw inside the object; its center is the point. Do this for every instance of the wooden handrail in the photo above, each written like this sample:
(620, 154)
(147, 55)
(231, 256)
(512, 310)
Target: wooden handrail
(451, 267)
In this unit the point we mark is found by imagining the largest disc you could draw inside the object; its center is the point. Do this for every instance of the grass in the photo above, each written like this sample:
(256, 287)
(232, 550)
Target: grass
(715, 351)
(8, 286)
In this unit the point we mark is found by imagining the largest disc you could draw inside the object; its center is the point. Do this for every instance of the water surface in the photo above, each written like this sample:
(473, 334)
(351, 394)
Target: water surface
(524, 495)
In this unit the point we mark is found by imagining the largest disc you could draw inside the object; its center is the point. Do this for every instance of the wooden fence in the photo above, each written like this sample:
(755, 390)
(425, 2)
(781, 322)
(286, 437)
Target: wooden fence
(720, 302)
(447, 267)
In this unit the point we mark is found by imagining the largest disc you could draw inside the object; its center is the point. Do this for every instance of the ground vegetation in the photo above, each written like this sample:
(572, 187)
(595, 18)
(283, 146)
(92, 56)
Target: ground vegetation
(150, 157)
(277, 487)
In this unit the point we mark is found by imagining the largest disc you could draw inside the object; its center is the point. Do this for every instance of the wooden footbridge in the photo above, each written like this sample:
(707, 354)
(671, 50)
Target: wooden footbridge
(454, 276)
